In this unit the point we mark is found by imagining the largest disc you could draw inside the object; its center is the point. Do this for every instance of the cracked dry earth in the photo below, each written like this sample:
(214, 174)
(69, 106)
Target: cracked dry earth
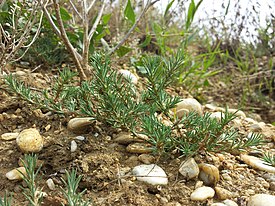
(106, 164)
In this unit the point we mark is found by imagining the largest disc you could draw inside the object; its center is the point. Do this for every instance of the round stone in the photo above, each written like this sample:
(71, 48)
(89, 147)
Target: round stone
(261, 200)
(29, 140)
(202, 193)
(189, 169)
(189, 104)
(209, 174)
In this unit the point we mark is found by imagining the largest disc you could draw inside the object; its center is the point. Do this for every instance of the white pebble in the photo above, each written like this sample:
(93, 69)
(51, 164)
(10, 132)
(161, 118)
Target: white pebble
(73, 146)
(230, 203)
(81, 138)
(50, 184)
(189, 169)
(151, 174)
(202, 193)
(16, 174)
(127, 74)
(261, 200)
(257, 163)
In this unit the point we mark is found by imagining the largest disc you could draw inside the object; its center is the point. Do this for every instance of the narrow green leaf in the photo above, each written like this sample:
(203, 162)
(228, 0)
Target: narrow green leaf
(65, 15)
(123, 51)
(129, 13)
(146, 41)
(106, 18)
(168, 7)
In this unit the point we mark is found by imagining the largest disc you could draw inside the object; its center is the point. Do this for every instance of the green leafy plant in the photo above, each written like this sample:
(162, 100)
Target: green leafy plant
(6, 201)
(194, 133)
(269, 159)
(32, 193)
(70, 192)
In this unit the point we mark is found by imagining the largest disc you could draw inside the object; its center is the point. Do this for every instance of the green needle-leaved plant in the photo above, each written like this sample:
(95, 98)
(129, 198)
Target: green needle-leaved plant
(194, 133)
(6, 201)
(32, 193)
(70, 192)
(269, 159)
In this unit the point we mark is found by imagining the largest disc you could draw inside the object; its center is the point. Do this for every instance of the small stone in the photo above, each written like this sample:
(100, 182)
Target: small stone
(15, 174)
(217, 115)
(261, 200)
(222, 193)
(226, 177)
(9, 136)
(217, 204)
(181, 113)
(73, 146)
(29, 140)
(210, 107)
(256, 127)
(230, 203)
(202, 193)
(189, 169)
(257, 163)
(209, 174)
(50, 184)
(129, 75)
(139, 148)
(237, 112)
(80, 138)
(190, 105)
(198, 184)
(146, 158)
(272, 186)
(80, 124)
(151, 174)
(125, 138)
(48, 127)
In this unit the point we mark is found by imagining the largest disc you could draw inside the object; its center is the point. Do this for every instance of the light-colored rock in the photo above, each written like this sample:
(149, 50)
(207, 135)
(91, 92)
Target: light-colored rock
(257, 163)
(73, 146)
(189, 169)
(80, 138)
(190, 105)
(182, 112)
(15, 174)
(237, 112)
(210, 107)
(30, 140)
(230, 203)
(146, 158)
(126, 138)
(272, 186)
(151, 174)
(129, 75)
(261, 200)
(198, 184)
(222, 193)
(9, 136)
(79, 124)
(202, 193)
(139, 148)
(217, 204)
(217, 115)
(209, 174)
(50, 184)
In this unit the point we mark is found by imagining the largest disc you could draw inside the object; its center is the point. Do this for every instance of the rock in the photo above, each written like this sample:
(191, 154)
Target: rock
(202, 193)
(210, 107)
(222, 193)
(139, 148)
(209, 174)
(79, 124)
(50, 184)
(9, 136)
(73, 146)
(189, 169)
(257, 163)
(230, 203)
(80, 138)
(151, 174)
(190, 105)
(182, 112)
(129, 75)
(29, 140)
(126, 138)
(15, 174)
(272, 186)
(237, 112)
(217, 115)
(261, 200)
(257, 127)
(217, 204)
(146, 158)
